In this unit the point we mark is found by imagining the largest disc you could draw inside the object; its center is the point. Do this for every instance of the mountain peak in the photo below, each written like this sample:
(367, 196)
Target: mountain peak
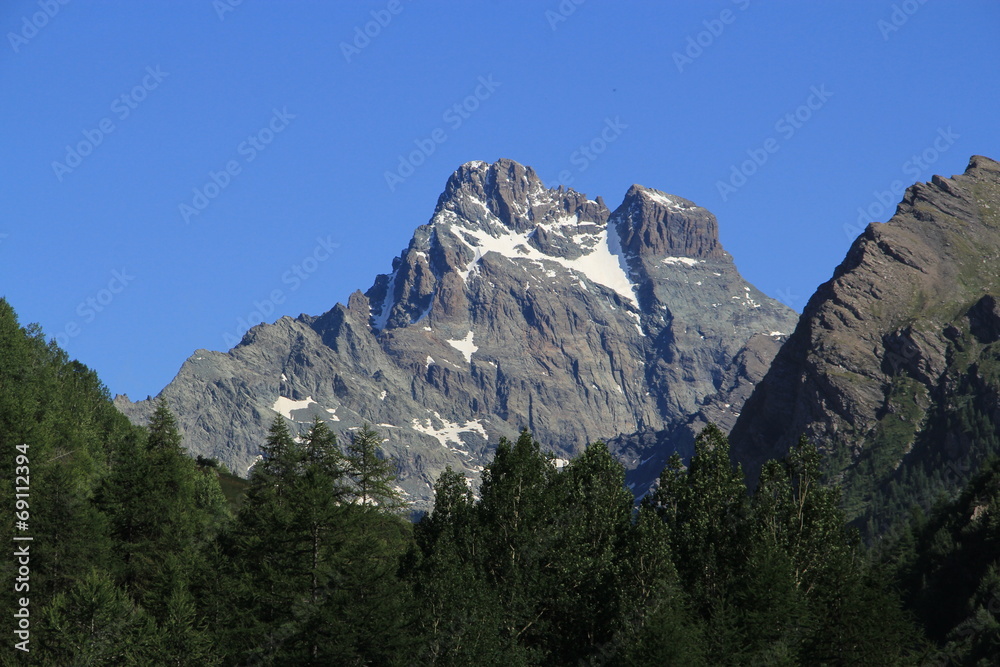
(656, 223)
(511, 192)
(982, 163)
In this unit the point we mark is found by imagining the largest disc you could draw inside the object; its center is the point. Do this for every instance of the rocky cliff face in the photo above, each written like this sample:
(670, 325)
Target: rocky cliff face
(880, 356)
(515, 306)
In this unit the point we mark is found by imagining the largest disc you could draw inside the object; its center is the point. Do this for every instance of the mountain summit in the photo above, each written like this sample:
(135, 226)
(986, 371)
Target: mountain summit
(515, 306)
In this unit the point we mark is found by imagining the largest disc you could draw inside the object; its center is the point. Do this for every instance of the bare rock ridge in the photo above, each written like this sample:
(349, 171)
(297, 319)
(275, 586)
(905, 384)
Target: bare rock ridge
(515, 306)
(879, 357)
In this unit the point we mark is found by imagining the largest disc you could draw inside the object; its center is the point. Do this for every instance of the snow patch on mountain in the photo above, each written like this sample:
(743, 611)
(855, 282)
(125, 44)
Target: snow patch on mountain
(465, 346)
(286, 406)
(604, 264)
(661, 198)
(448, 432)
(387, 303)
(687, 261)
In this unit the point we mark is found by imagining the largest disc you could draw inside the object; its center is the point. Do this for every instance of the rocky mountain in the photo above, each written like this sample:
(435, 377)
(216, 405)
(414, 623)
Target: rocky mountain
(894, 367)
(515, 306)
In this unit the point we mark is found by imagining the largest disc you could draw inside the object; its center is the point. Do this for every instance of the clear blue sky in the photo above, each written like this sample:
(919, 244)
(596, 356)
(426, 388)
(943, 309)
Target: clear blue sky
(158, 95)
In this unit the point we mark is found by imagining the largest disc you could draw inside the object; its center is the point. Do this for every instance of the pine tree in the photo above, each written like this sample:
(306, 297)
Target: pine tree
(315, 572)
(97, 623)
(460, 620)
(655, 626)
(257, 557)
(164, 435)
(705, 509)
(184, 638)
(810, 588)
(372, 476)
(283, 543)
(367, 608)
(590, 516)
(512, 513)
(155, 517)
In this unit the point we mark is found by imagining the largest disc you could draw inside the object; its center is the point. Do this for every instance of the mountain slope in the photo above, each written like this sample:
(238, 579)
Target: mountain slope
(514, 306)
(888, 352)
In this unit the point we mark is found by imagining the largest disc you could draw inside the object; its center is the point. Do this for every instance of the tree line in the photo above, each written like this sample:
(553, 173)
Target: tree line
(139, 558)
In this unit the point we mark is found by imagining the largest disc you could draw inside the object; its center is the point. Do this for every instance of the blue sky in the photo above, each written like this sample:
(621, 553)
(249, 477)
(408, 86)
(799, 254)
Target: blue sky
(170, 168)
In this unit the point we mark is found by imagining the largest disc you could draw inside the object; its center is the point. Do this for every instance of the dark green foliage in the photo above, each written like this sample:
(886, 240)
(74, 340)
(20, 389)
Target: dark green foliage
(656, 625)
(460, 618)
(163, 511)
(312, 557)
(949, 568)
(234, 490)
(548, 568)
(57, 411)
(117, 524)
(705, 510)
(777, 578)
(97, 623)
(590, 513)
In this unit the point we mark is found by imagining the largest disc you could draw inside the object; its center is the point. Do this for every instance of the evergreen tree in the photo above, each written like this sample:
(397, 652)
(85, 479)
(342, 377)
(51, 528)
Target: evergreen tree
(184, 638)
(56, 429)
(367, 607)
(810, 588)
(155, 516)
(97, 623)
(655, 625)
(164, 435)
(459, 623)
(512, 513)
(280, 547)
(372, 476)
(315, 572)
(589, 519)
(705, 508)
